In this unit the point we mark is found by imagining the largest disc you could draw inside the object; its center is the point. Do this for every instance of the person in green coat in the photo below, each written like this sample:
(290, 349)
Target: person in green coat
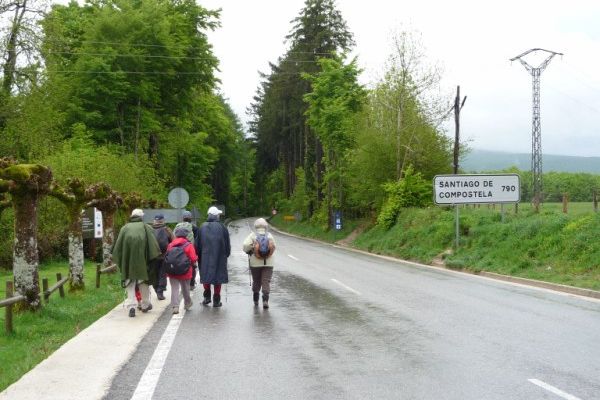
(135, 251)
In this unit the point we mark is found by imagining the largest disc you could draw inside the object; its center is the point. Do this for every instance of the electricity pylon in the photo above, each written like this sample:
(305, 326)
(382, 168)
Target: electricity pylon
(536, 130)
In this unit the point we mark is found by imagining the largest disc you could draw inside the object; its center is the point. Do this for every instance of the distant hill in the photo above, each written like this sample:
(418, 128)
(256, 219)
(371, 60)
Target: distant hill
(485, 160)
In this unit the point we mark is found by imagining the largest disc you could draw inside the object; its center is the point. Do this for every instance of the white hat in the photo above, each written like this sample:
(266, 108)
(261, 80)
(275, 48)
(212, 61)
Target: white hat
(138, 212)
(260, 223)
(214, 211)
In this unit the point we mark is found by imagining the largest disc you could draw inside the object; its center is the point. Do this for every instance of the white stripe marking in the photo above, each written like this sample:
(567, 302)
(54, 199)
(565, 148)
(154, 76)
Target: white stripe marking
(147, 384)
(345, 286)
(554, 390)
(293, 258)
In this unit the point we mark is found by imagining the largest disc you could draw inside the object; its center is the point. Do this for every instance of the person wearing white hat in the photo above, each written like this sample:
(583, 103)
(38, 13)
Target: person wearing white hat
(133, 251)
(215, 248)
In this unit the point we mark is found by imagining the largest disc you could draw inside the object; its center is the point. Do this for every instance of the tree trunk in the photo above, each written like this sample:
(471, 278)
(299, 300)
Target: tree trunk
(108, 237)
(11, 48)
(25, 251)
(76, 257)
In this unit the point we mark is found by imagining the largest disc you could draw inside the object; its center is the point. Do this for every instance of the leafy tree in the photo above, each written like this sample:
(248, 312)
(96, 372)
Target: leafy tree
(284, 139)
(410, 191)
(334, 103)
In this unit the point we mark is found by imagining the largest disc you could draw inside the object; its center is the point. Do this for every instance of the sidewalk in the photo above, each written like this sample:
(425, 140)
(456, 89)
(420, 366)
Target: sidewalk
(83, 368)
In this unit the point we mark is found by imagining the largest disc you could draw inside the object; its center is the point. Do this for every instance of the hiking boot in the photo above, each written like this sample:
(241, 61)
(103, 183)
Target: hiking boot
(132, 312)
(175, 310)
(145, 310)
(206, 294)
(217, 300)
(188, 306)
(160, 296)
(255, 296)
(265, 299)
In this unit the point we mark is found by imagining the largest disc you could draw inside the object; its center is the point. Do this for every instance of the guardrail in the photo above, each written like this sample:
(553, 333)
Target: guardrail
(12, 299)
(100, 271)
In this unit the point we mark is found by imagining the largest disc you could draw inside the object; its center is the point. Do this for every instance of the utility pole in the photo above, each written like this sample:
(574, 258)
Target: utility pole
(536, 130)
(457, 107)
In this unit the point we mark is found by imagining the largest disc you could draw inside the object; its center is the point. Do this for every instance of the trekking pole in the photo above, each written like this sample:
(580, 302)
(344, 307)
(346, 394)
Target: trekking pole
(249, 271)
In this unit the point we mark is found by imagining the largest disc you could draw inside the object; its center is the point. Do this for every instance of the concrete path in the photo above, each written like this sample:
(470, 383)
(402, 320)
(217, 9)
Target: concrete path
(84, 367)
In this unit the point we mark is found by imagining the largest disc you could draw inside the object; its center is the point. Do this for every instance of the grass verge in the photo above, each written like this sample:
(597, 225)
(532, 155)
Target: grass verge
(37, 335)
(550, 246)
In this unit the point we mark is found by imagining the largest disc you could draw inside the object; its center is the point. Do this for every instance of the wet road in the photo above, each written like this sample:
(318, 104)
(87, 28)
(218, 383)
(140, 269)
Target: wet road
(344, 325)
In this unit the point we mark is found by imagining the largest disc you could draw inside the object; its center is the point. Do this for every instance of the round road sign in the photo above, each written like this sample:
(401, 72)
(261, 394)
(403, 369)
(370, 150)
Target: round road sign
(178, 197)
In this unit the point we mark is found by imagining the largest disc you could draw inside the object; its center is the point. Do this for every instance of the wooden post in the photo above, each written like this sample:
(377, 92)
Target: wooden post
(595, 199)
(516, 208)
(45, 290)
(61, 289)
(565, 202)
(97, 276)
(8, 316)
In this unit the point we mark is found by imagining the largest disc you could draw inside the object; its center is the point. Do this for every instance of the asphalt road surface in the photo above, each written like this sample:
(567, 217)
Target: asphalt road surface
(345, 325)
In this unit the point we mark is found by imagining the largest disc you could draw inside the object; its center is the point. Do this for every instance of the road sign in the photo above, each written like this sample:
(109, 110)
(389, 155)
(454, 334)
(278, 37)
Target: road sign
(91, 222)
(178, 197)
(476, 189)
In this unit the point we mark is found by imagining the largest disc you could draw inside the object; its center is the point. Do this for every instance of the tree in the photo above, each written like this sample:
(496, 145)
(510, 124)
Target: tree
(406, 84)
(26, 183)
(283, 137)
(333, 105)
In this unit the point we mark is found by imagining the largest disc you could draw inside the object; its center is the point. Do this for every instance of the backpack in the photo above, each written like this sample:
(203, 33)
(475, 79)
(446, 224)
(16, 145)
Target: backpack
(263, 247)
(176, 261)
(162, 237)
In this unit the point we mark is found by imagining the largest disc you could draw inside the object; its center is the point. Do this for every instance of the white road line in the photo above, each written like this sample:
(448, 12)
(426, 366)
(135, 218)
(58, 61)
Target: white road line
(554, 390)
(345, 286)
(147, 384)
(293, 258)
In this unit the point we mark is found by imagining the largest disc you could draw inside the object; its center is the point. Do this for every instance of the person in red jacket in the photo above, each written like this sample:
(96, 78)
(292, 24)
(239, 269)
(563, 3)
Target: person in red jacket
(183, 280)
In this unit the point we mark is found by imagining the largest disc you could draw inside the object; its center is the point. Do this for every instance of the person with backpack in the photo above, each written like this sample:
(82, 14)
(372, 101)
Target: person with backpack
(179, 263)
(186, 216)
(164, 236)
(133, 251)
(260, 246)
(215, 248)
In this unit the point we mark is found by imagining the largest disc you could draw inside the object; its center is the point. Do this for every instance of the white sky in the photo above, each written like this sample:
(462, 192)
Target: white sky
(472, 40)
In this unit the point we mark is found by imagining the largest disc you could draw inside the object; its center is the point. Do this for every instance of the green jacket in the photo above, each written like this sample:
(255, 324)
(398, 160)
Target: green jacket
(134, 250)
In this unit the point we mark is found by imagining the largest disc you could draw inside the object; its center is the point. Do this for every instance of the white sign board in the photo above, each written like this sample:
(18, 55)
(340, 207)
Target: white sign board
(476, 189)
(97, 224)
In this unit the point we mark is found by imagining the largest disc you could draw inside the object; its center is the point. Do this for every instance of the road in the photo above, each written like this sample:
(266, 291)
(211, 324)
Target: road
(346, 325)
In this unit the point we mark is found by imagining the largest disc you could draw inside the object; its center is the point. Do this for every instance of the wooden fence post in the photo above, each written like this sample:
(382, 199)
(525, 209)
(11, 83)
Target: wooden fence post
(61, 290)
(8, 316)
(45, 290)
(595, 199)
(97, 276)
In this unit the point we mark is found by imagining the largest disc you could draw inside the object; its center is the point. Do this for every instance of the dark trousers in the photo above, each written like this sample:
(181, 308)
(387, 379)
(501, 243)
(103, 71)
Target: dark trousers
(261, 277)
(161, 286)
(193, 280)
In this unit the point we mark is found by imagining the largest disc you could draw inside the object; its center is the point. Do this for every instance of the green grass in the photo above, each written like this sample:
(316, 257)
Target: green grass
(37, 335)
(305, 228)
(550, 245)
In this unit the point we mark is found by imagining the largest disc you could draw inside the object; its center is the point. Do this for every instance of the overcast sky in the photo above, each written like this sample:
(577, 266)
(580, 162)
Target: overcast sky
(471, 40)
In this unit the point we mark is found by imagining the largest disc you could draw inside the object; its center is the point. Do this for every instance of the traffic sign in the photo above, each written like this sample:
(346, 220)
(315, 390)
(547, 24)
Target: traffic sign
(178, 197)
(476, 189)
